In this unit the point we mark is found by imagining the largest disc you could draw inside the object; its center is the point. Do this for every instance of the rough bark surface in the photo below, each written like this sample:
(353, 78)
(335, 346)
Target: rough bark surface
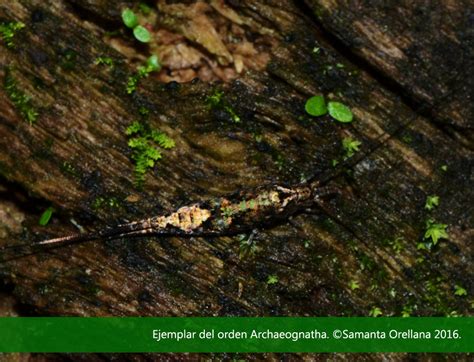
(356, 253)
(424, 49)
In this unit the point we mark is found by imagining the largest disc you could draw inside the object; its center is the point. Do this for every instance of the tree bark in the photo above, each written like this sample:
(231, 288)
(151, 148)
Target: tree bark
(357, 252)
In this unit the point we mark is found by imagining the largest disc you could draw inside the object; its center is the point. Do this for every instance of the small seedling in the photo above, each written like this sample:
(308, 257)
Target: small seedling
(435, 231)
(152, 65)
(431, 202)
(316, 106)
(130, 20)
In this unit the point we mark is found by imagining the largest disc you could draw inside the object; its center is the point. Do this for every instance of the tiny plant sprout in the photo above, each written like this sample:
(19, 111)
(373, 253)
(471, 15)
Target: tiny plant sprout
(131, 21)
(129, 18)
(153, 64)
(316, 106)
(340, 112)
(141, 34)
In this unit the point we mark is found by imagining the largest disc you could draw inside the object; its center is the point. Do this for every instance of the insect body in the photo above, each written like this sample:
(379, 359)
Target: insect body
(222, 216)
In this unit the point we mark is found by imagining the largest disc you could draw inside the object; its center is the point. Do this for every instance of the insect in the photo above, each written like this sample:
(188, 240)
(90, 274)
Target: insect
(221, 216)
(226, 216)
(241, 212)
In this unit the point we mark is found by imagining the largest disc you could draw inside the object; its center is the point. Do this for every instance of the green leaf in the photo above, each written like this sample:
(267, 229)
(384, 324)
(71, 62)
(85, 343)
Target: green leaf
(432, 202)
(142, 34)
(129, 18)
(435, 231)
(46, 216)
(316, 106)
(153, 64)
(340, 112)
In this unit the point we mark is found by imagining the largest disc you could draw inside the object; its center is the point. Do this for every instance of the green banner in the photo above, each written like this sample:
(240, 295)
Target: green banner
(229, 334)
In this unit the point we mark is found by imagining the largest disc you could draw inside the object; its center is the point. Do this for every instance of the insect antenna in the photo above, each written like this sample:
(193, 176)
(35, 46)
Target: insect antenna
(18, 251)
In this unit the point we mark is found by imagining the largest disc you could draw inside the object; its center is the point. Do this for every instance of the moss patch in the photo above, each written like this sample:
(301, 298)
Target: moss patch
(20, 100)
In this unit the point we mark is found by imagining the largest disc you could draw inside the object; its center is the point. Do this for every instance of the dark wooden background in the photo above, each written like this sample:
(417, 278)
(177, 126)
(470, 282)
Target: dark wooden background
(408, 77)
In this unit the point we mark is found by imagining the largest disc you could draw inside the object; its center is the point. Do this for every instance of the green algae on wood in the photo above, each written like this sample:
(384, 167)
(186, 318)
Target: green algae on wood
(8, 31)
(20, 99)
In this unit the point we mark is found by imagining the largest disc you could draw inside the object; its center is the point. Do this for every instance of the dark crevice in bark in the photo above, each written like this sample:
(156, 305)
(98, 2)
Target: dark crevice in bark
(21, 197)
(85, 14)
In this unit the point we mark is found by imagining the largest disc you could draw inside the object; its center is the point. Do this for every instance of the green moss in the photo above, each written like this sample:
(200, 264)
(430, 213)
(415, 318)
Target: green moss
(217, 101)
(104, 61)
(350, 147)
(153, 65)
(272, 279)
(146, 144)
(8, 31)
(20, 100)
(248, 246)
(68, 168)
(68, 59)
(101, 202)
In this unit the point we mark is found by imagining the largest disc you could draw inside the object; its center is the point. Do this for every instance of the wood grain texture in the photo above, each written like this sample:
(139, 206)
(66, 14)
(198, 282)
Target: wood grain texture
(424, 49)
(76, 158)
